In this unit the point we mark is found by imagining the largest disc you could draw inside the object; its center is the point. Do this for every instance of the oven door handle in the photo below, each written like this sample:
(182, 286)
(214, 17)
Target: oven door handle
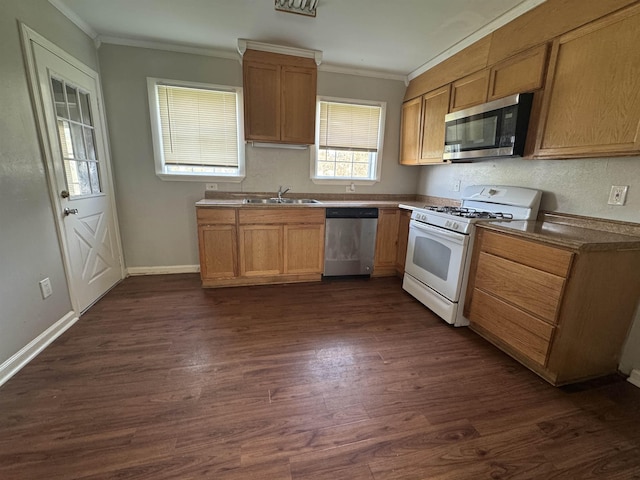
(458, 238)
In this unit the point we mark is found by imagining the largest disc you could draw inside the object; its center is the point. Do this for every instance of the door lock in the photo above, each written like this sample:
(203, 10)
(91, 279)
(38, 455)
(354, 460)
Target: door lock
(64, 194)
(70, 211)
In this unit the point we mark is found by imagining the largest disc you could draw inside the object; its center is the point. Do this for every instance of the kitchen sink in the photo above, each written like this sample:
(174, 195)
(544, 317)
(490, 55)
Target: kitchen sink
(279, 201)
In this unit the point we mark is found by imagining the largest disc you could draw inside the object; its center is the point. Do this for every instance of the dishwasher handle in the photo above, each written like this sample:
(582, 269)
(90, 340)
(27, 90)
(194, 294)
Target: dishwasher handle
(351, 212)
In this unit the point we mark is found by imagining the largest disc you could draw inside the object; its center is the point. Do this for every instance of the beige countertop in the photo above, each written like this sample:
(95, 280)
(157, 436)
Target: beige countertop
(563, 235)
(237, 203)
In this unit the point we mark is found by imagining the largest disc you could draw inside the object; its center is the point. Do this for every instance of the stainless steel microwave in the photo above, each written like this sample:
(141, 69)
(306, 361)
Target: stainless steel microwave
(494, 129)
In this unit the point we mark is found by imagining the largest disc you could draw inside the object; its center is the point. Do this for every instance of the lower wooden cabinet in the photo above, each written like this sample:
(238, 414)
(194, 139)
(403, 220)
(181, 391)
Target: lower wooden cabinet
(260, 250)
(217, 239)
(251, 246)
(247, 246)
(384, 263)
(403, 239)
(561, 312)
(303, 248)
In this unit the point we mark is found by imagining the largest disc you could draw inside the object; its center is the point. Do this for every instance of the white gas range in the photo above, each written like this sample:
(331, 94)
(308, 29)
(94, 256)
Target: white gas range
(441, 241)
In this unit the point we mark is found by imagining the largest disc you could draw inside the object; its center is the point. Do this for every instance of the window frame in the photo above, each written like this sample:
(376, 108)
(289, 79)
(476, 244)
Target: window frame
(156, 132)
(376, 169)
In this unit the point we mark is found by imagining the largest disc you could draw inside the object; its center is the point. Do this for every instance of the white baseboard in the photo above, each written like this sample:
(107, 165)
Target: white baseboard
(634, 378)
(27, 353)
(133, 271)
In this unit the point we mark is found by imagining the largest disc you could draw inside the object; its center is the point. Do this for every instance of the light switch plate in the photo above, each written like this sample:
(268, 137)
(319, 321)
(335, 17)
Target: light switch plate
(618, 194)
(45, 287)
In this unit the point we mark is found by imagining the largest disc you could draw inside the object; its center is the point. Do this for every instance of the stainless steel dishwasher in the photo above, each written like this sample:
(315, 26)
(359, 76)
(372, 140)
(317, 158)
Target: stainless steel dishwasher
(350, 241)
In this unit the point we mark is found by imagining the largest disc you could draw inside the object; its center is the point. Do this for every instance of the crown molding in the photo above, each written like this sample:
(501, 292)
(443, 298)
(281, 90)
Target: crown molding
(502, 20)
(362, 72)
(170, 47)
(75, 19)
(228, 54)
(244, 44)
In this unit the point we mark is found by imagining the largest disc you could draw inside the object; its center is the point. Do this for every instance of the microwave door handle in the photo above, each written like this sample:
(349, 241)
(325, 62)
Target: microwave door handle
(439, 232)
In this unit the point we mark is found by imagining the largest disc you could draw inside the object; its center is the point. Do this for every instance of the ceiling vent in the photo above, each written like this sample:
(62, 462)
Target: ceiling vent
(302, 7)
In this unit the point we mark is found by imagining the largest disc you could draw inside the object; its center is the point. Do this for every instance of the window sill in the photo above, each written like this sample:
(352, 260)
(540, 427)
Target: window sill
(192, 177)
(345, 181)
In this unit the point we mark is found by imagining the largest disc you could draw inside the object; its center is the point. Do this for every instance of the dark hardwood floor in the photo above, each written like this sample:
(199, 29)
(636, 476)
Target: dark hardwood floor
(348, 380)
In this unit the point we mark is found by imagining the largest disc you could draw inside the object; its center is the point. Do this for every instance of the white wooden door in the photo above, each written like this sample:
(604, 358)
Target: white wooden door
(79, 175)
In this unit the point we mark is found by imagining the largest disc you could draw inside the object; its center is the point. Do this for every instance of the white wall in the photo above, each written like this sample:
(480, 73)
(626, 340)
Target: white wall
(579, 187)
(29, 249)
(157, 218)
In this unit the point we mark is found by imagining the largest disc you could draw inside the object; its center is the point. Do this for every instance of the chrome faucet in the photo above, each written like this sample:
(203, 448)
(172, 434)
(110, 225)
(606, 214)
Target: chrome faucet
(282, 192)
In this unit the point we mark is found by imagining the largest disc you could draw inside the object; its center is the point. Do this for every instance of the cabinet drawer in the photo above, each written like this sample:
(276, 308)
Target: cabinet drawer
(281, 215)
(532, 290)
(522, 332)
(533, 254)
(225, 216)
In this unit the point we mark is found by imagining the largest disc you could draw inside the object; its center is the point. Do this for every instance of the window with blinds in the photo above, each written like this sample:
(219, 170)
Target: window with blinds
(349, 140)
(197, 129)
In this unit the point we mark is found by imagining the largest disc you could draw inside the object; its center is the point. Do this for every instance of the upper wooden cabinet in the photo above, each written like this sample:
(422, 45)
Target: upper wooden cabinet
(410, 132)
(279, 97)
(435, 105)
(518, 74)
(591, 106)
(469, 91)
(422, 128)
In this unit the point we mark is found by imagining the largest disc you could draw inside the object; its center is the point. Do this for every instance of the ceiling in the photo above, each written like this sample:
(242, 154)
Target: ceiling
(384, 37)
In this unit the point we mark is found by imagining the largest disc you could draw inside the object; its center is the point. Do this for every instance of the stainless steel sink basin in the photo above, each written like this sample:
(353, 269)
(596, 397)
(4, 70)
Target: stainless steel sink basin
(279, 201)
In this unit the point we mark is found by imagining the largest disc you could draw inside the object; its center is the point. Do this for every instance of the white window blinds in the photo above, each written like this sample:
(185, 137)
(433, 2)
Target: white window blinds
(199, 126)
(345, 126)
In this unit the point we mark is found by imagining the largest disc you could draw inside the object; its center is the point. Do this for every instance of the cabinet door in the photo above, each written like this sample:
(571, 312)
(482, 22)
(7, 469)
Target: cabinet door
(435, 105)
(519, 74)
(410, 132)
(304, 248)
(217, 251)
(298, 104)
(469, 91)
(260, 250)
(261, 101)
(592, 94)
(403, 238)
(386, 241)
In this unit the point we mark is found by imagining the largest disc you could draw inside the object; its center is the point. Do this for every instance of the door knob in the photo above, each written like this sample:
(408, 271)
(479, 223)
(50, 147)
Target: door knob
(70, 211)
(64, 194)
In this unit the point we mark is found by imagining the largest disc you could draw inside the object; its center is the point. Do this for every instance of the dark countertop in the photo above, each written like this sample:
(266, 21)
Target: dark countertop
(567, 236)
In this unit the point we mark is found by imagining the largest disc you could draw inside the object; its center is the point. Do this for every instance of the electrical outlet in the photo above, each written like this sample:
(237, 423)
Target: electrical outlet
(211, 187)
(45, 288)
(456, 186)
(618, 194)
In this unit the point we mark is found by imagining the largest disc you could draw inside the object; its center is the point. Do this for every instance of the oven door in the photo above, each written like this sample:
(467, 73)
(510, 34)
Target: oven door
(436, 257)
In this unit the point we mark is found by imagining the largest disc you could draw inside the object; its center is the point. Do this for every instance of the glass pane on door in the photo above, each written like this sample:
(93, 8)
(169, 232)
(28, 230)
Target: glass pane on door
(77, 139)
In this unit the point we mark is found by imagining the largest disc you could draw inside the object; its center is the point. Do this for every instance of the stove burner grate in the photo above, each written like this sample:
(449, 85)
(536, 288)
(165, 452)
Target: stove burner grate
(464, 212)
